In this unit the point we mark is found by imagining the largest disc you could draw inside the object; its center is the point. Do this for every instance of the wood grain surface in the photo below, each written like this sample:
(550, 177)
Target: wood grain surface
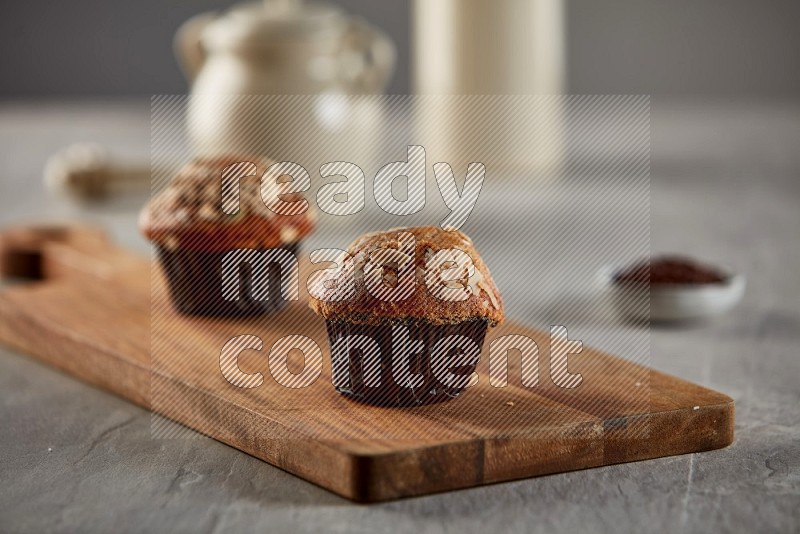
(101, 314)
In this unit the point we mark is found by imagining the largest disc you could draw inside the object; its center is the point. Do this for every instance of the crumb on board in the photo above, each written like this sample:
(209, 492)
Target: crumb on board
(510, 403)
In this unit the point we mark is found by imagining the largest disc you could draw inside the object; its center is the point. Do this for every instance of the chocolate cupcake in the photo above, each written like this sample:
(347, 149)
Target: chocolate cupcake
(193, 235)
(406, 312)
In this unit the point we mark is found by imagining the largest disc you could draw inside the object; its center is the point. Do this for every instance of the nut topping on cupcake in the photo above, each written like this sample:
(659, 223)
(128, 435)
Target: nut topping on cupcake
(451, 283)
(193, 212)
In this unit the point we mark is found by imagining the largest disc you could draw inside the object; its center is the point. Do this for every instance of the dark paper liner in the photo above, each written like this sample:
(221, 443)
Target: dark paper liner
(194, 279)
(389, 392)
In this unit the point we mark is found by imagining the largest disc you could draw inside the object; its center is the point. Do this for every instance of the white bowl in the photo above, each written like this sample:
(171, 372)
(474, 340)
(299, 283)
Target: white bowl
(674, 302)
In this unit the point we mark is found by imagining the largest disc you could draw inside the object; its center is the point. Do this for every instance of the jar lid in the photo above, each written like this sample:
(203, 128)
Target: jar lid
(271, 21)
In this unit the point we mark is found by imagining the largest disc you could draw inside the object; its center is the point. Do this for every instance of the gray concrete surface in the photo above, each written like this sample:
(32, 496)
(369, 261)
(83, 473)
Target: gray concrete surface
(726, 185)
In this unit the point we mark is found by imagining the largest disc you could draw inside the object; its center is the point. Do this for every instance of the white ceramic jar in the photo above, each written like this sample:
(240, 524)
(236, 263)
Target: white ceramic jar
(277, 48)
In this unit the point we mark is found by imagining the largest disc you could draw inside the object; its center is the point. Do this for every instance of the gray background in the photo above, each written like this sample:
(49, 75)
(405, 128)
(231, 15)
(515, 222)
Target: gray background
(681, 47)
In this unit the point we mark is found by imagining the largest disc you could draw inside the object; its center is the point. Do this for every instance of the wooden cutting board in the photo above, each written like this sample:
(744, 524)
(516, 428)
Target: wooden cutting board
(89, 313)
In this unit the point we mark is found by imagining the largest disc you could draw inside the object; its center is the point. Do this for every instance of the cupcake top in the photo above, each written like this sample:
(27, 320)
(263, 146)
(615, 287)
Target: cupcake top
(189, 213)
(452, 284)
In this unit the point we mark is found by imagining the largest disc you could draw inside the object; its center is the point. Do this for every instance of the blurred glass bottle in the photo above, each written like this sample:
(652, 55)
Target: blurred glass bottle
(491, 47)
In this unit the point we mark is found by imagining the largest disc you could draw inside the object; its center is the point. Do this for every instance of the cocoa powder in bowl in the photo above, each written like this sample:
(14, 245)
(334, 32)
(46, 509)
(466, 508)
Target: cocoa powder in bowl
(670, 270)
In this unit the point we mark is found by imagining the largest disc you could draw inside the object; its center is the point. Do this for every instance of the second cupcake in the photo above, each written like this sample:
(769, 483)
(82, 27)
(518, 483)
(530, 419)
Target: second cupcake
(192, 235)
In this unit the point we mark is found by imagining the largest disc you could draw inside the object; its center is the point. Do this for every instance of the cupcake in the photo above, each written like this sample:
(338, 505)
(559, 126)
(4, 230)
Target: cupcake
(192, 235)
(407, 312)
